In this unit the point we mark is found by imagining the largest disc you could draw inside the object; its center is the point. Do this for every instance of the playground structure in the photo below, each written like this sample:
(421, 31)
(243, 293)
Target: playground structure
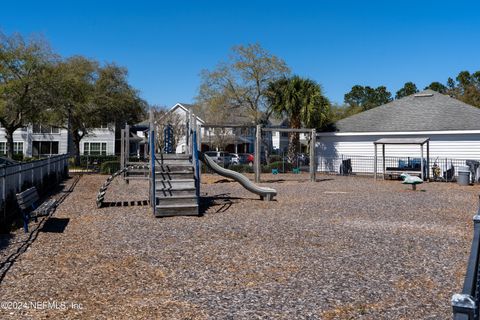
(260, 144)
(174, 179)
(312, 143)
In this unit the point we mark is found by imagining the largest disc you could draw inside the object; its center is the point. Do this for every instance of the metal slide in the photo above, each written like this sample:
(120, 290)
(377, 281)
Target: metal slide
(264, 193)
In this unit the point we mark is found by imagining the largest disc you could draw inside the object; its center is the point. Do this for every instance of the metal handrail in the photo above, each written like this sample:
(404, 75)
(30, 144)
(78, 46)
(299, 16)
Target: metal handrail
(465, 304)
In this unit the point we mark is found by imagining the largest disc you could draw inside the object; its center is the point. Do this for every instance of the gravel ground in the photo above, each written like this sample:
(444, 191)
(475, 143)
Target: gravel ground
(341, 248)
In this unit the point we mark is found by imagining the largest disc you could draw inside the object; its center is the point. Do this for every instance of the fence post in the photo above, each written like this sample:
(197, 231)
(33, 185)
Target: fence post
(19, 186)
(258, 148)
(4, 194)
(313, 169)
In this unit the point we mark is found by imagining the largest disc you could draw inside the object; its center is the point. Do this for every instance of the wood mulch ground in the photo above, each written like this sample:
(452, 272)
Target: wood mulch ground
(340, 248)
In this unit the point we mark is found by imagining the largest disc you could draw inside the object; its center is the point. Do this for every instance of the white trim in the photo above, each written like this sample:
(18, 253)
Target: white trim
(90, 142)
(390, 133)
(178, 104)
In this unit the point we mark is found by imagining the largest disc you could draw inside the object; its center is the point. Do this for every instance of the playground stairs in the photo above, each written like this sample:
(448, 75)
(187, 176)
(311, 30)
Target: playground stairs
(175, 186)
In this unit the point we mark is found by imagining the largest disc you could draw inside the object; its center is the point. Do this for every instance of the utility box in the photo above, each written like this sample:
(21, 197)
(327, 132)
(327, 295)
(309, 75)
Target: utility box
(463, 178)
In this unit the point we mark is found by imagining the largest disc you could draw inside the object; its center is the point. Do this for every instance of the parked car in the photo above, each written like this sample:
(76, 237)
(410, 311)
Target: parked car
(235, 158)
(302, 159)
(246, 158)
(221, 157)
(6, 161)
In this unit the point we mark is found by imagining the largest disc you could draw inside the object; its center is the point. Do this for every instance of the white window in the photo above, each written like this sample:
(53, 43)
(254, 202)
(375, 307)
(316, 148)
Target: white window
(95, 148)
(18, 147)
(44, 148)
(39, 128)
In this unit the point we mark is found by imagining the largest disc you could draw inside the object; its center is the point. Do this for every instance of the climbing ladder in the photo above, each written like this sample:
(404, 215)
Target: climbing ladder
(175, 186)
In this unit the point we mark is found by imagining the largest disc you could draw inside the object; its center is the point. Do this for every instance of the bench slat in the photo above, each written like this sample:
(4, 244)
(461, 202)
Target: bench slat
(29, 199)
(27, 192)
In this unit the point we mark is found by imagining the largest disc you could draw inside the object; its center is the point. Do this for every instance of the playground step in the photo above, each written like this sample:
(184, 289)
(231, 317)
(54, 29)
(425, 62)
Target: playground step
(166, 192)
(131, 178)
(179, 183)
(174, 175)
(176, 210)
(174, 200)
(138, 164)
(138, 170)
(173, 167)
(173, 163)
(173, 156)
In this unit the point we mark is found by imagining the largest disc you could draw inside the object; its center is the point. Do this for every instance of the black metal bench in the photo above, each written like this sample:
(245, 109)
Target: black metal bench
(28, 202)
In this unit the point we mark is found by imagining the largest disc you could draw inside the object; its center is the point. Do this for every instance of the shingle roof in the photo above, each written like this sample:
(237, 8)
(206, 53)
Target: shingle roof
(424, 111)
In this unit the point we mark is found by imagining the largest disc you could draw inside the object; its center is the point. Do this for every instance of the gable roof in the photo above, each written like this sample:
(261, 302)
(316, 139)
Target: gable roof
(427, 110)
(187, 107)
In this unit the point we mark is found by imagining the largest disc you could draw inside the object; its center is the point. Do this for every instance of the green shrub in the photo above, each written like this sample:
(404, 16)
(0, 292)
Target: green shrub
(279, 165)
(18, 157)
(29, 159)
(96, 160)
(274, 158)
(110, 167)
(242, 168)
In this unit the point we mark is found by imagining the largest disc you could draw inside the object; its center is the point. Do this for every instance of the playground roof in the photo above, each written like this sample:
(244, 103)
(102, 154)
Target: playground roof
(402, 141)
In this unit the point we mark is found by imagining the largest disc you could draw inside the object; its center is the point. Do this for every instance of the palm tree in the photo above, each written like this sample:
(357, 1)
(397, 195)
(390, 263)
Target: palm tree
(301, 101)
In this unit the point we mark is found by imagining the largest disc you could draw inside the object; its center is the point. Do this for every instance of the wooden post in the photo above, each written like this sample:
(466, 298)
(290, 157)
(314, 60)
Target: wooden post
(199, 137)
(421, 162)
(122, 149)
(193, 127)
(383, 160)
(127, 143)
(428, 159)
(187, 133)
(151, 135)
(313, 162)
(127, 150)
(375, 163)
(258, 148)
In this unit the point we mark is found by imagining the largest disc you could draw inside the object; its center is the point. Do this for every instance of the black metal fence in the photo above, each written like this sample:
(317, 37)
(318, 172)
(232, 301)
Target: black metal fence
(439, 169)
(465, 304)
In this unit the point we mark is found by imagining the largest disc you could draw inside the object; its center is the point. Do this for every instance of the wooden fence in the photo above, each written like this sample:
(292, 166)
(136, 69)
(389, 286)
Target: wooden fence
(15, 178)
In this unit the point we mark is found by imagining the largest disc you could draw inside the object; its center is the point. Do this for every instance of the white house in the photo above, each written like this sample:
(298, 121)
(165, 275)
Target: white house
(452, 126)
(41, 141)
(280, 140)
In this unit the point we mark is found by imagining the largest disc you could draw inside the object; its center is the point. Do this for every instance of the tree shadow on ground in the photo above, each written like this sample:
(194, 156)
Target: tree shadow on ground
(5, 240)
(219, 202)
(273, 181)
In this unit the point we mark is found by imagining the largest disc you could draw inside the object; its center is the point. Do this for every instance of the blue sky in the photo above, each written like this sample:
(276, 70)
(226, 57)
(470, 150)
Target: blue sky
(165, 44)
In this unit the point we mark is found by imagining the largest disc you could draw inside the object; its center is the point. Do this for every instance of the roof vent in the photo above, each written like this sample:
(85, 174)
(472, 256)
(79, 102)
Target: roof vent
(421, 95)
